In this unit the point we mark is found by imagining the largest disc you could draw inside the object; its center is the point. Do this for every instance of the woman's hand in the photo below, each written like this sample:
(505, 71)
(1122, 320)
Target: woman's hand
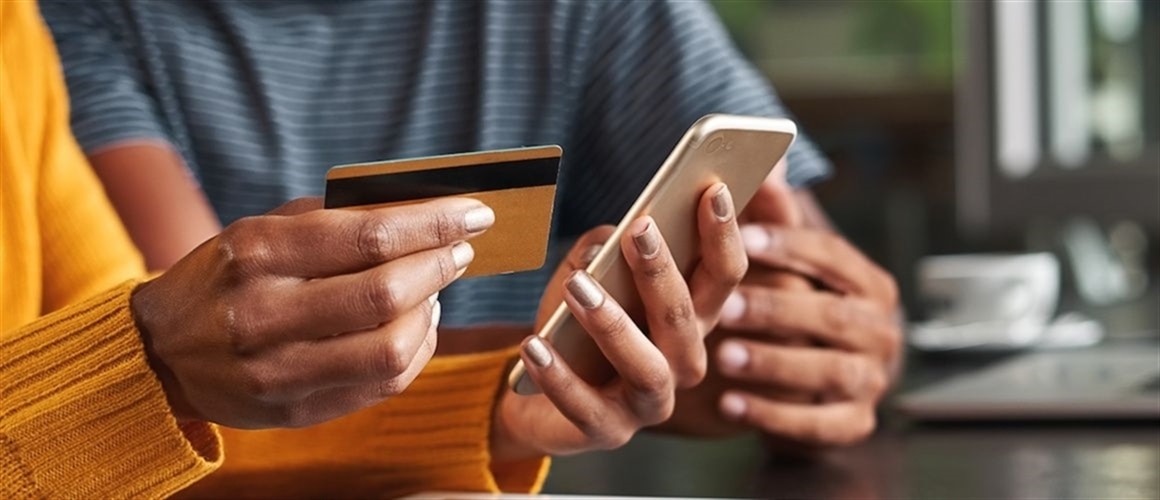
(572, 416)
(303, 315)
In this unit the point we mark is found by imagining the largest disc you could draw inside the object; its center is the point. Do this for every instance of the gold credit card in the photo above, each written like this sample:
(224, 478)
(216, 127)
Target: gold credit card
(518, 184)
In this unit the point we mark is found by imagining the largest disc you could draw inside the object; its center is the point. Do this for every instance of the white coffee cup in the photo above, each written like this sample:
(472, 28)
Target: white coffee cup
(1011, 297)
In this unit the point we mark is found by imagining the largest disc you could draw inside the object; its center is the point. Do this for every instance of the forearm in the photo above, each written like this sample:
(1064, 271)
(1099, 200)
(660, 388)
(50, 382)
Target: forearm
(161, 206)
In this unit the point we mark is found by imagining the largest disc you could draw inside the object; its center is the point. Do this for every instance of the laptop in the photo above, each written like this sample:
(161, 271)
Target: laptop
(1117, 380)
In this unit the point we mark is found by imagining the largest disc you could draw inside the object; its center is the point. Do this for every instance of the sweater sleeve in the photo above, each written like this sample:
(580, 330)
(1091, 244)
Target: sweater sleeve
(85, 249)
(434, 436)
(84, 416)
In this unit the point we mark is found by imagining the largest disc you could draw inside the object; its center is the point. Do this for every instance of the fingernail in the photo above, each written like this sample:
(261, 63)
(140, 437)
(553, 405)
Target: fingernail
(756, 239)
(732, 357)
(433, 298)
(589, 254)
(478, 219)
(537, 352)
(462, 254)
(723, 204)
(733, 406)
(436, 313)
(585, 290)
(733, 307)
(647, 242)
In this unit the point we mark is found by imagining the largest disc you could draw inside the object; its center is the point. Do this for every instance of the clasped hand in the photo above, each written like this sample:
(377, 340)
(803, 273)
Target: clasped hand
(807, 345)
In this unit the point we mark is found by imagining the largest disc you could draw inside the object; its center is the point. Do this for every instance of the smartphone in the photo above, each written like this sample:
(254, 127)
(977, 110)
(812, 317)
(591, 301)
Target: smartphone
(740, 151)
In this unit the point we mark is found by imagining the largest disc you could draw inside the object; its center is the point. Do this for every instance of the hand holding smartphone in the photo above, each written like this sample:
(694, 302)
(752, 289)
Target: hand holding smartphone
(736, 150)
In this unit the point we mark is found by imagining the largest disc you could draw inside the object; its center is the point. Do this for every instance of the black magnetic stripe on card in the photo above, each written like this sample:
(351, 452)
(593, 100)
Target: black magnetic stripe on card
(449, 181)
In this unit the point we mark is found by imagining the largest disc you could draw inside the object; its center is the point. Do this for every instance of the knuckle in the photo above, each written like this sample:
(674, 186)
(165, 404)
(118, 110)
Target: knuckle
(614, 323)
(657, 270)
(764, 307)
(376, 240)
(612, 439)
(585, 419)
(732, 267)
(241, 329)
(445, 266)
(240, 249)
(729, 271)
(447, 227)
(837, 313)
(735, 271)
(652, 398)
(876, 383)
(381, 297)
(652, 387)
(661, 413)
(692, 372)
(257, 383)
(849, 375)
(680, 316)
(768, 366)
(391, 360)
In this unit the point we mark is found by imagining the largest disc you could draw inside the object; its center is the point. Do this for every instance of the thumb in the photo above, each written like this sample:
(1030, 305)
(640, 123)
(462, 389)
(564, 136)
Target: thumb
(774, 201)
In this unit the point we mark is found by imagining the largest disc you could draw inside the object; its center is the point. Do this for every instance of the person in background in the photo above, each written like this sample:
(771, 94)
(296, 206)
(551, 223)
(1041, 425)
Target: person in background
(199, 113)
(112, 386)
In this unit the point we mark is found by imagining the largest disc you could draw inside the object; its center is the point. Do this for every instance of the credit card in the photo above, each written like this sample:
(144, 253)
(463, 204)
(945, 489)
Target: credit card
(518, 184)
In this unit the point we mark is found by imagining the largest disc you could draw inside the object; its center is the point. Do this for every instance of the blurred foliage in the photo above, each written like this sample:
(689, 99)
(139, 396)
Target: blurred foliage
(919, 27)
(920, 30)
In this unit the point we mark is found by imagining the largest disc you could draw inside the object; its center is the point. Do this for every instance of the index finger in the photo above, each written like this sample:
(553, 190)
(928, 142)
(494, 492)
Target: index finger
(322, 243)
(817, 254)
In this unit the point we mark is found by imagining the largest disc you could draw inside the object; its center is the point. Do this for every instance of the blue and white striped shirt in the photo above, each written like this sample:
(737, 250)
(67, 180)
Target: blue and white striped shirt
(261, 97)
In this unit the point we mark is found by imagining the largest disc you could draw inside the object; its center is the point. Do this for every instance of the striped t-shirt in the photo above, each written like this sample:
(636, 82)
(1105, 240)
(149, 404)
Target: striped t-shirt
(261, 97)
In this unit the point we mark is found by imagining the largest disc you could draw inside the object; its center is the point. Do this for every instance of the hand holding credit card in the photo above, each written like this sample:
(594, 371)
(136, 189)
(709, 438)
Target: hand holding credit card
(518, 184)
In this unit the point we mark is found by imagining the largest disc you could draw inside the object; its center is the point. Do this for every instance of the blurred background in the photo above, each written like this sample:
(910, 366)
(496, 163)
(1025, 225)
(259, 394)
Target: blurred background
(955, 127)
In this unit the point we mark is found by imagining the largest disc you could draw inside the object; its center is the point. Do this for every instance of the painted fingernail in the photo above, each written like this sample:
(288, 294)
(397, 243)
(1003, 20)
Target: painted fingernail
(732, 357)
(537, 352)
(756, 239)
(647, 242)
(589, 254)
(723, 204)
(733, 307)
(478, 219)
(734, 406)
(462, 254)
(585, 290)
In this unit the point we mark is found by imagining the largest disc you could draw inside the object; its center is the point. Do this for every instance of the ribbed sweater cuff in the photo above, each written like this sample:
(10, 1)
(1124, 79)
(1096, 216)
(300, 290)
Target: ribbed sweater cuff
(448, 411)
(83, 414)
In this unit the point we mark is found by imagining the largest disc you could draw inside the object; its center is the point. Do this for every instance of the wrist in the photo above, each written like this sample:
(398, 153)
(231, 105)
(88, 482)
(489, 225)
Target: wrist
(143, 307)
(505, 445)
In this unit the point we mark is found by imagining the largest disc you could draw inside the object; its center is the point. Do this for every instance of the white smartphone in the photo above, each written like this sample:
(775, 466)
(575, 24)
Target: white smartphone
(740, 151)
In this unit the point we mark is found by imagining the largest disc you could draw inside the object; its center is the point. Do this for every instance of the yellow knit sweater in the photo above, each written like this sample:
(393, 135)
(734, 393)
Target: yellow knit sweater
(82, 415)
